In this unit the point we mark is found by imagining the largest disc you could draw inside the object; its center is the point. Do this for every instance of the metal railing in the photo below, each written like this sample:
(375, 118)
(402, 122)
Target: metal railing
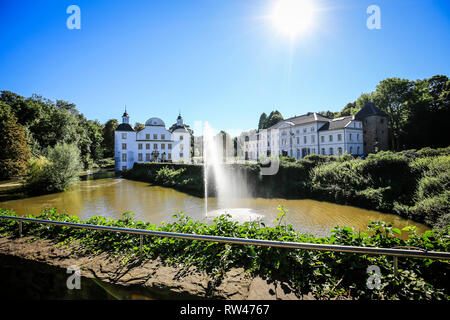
(410, 252)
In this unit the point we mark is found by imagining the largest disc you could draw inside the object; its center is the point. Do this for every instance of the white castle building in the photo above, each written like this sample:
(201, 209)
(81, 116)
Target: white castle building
(300, 136)
(152, 144)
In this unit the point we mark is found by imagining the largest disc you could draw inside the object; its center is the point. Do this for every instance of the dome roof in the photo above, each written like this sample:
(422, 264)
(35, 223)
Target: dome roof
(155, 122)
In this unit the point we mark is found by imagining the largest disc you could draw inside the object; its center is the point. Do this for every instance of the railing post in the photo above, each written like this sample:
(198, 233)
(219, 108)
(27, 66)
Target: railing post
(140, 244)
(20, 228)
(395, 266)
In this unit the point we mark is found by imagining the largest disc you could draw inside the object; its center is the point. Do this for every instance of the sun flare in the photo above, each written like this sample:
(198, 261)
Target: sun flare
(292, 17)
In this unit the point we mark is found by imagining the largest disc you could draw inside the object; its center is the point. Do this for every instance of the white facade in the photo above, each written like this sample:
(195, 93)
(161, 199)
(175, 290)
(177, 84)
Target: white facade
(308, 134)
(152, 144)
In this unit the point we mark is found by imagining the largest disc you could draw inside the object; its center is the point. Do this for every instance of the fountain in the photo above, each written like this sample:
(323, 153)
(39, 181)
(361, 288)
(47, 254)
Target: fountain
(231, 188)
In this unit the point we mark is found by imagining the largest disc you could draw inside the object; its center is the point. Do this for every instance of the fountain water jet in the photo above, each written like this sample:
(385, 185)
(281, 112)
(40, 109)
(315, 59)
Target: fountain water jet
(230, 186)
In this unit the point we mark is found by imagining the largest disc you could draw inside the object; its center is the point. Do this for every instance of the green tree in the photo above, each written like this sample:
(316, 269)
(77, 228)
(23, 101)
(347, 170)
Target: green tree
(391, 96)
(138, 126)
(262, 121)
(108, 137)
(273, 118)
(15, 151)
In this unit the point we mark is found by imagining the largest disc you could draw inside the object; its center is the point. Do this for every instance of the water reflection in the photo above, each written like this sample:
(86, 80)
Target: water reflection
(112, 197)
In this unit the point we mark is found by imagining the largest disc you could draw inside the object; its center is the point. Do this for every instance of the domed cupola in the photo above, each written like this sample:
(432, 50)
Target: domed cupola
(155, 122)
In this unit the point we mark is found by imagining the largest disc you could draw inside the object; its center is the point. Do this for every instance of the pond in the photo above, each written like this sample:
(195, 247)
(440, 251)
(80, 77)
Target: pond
(110, 197)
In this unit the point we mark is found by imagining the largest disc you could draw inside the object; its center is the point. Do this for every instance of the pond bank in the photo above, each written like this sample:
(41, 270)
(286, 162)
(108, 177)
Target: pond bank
(136, 279)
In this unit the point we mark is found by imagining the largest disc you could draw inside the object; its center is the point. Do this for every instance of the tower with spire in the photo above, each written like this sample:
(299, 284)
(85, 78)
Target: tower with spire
(125, 117)
(179, 120)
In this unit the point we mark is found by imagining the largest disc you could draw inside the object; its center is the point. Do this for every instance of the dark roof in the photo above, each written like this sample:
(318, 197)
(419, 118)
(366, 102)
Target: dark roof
(306, 118)
(369, 110)
(180, 128)
(125, 114)
(338, 123)
(124, 127)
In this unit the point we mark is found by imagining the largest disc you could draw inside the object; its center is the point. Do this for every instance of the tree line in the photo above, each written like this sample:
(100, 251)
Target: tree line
(31, 128)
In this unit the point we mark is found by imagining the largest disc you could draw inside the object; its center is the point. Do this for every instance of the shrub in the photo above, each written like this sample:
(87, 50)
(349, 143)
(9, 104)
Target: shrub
(433, 208)
(58, 172)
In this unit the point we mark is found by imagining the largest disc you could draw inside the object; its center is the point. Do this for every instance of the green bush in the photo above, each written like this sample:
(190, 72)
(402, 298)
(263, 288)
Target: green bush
(57, 172)
(432, 186)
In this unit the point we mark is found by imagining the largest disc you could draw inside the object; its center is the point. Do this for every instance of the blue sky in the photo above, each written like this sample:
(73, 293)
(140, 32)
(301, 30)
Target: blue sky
(220, 61)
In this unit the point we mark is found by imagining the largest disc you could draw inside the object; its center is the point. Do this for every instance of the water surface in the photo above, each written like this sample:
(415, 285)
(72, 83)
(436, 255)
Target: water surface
(113, 196)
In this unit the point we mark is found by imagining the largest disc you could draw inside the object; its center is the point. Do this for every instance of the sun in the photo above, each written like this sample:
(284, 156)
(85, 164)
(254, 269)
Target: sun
(292, 17)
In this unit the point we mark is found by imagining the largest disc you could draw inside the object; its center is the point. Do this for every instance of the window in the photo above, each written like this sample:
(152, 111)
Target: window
(312, 129)
(140, 146)
(339, 137)
(147, 136)
(323, 151)
(124, 135)
(313, 139)
(147, 157)
(304, 139)
(304, 130)
(339, 150)
(163, 137)
(358, 150)
(181, 137)
(169, 156)
(155, 146)
(163, 146)
(124, 146)
(381, 120)
(350, 137)
(181, 154)
(298, 140)
(181, 147)
(155, 137)
(298, 153)
(124, 157)
(169, 146)
(351, 150)
(147, 146)
(313, 150)
(331, 151)
(322, 139)
(330, 138)
(357, 137)
(139, 156)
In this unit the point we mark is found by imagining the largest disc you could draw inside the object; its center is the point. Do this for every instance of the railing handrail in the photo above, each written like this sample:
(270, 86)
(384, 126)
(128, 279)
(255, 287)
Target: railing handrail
(420, 253)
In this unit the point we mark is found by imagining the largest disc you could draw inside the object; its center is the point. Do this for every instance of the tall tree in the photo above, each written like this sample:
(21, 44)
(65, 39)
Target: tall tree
(13, 143)
(262, 121)
(391, 95)
(108, 137)
(273, 118)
